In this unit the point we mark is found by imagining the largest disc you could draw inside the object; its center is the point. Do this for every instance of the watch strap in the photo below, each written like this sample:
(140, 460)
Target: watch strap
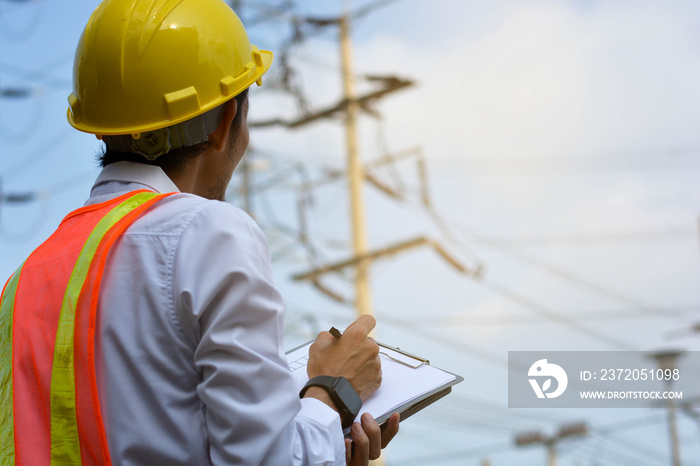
(324, 381)
(348, 409)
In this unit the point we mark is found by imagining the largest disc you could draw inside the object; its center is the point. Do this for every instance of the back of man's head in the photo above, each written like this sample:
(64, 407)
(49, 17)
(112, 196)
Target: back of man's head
(142, 150)
(152, 77)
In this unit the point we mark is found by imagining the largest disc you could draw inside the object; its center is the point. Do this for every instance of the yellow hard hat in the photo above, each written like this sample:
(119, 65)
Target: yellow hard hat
(142, 65)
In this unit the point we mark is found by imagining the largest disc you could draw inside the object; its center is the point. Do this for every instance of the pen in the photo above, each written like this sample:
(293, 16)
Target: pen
(335, 332)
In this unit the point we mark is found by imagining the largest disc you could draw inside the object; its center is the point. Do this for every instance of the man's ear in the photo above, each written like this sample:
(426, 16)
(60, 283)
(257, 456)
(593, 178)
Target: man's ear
(221, 133)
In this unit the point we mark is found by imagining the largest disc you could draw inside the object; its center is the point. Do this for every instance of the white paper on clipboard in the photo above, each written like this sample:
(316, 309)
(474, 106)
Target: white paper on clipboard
(405, 378)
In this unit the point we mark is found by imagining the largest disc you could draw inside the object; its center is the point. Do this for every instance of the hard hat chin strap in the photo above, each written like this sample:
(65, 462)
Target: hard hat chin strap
(153, 144)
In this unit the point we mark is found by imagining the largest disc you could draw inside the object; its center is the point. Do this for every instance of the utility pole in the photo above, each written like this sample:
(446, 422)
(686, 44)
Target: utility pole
(566, 431)
(357, 173)
(363, 299)
(349, 107)
(667, 361)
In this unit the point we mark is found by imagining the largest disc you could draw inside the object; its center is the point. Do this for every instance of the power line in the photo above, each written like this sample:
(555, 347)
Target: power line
(592, 239)
(608, 430)
(268, 12)
(462, 453)
(27, 160)
(689, 166)
(572, 448)
(25, 234)
(371, 7)
(68, 183)
(556, 271)
(446, 340)
(444, 417)
(39, 75)
(618, 448)
(605, 431)
(304, 27)
(557, 317)
(422, 332)
(549, 314)
(482, 404)
(40, 195)
(31, 26)
(619, 155)
(519, 319)
(672, 158)
(611, 455)
(493, 449)
(631, 446)
(548, 268)
(470, 348)
(554, 316)
(30, 128)
(596, 237)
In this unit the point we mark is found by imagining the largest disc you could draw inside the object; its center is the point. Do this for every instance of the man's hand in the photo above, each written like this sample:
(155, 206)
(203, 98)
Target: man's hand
(354, 356)
(368, 439)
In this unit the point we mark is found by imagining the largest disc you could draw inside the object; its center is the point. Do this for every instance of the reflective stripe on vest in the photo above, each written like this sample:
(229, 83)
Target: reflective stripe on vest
(49, 407)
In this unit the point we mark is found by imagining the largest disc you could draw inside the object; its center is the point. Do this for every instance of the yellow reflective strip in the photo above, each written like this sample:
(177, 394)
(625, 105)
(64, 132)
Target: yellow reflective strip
(7, 421)
(65, 446)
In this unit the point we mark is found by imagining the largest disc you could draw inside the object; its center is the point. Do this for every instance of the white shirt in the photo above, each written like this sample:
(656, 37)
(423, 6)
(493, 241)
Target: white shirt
(190, 363)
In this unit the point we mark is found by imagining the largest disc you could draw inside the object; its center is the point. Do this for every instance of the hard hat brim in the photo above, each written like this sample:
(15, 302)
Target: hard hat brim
(256, 77)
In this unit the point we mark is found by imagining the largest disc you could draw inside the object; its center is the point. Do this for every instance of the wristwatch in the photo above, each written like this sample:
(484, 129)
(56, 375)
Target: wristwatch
(342, 393)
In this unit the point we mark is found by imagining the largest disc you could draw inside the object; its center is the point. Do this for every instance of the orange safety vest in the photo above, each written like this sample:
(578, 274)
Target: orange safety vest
(49, 408)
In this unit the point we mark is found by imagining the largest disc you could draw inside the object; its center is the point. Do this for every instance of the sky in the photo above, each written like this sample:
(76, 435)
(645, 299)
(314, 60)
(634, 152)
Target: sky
(562, 158)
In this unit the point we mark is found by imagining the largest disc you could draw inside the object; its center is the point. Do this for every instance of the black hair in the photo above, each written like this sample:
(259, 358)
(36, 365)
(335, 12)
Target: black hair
(176, 159)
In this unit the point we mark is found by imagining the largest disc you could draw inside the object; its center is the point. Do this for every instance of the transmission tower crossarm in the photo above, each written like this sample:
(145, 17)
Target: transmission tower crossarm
(328, 292)
(383, 187)
(450, 259)
(371, 256)
(388, 159)
(388, 251)
(390, 85)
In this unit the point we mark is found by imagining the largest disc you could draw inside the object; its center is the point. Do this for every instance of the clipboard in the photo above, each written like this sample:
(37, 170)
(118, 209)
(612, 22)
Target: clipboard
(409, 383)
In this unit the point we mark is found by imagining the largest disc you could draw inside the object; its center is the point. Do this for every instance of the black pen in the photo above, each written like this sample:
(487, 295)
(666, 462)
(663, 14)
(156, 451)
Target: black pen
(335, 332)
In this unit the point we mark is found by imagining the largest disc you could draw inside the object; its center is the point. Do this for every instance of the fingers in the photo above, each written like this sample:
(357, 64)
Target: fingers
(390, 429)
(360, 457)
(363, 325)
(371, 428)
(325, 338)
(368, 439)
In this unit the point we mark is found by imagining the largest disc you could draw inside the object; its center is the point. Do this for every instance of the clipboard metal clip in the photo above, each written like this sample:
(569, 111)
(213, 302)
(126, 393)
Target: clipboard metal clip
(407, 359)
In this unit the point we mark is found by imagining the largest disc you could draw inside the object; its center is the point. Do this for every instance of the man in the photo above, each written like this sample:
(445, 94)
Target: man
(147, 330)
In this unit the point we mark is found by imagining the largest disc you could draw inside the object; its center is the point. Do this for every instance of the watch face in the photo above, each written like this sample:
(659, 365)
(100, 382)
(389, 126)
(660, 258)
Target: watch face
(348, 395)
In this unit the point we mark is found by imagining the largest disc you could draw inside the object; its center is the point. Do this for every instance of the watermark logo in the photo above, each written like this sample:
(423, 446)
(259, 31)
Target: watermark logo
(544, 370)
(600, 379)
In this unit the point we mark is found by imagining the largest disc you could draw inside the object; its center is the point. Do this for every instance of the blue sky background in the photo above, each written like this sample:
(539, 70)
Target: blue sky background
(561, 144)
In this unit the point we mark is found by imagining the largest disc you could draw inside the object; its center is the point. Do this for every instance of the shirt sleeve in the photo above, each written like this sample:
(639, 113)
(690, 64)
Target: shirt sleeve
(228, 306)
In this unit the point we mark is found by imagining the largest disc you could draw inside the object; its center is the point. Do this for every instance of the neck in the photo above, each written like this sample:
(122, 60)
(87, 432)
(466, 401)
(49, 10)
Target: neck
(206, 175)
(185, 178)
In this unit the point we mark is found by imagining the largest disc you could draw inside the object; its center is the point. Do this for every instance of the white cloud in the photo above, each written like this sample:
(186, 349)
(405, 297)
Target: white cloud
(548, 78)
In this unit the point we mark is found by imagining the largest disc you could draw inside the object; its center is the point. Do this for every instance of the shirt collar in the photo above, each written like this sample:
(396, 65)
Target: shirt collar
(130, 176)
